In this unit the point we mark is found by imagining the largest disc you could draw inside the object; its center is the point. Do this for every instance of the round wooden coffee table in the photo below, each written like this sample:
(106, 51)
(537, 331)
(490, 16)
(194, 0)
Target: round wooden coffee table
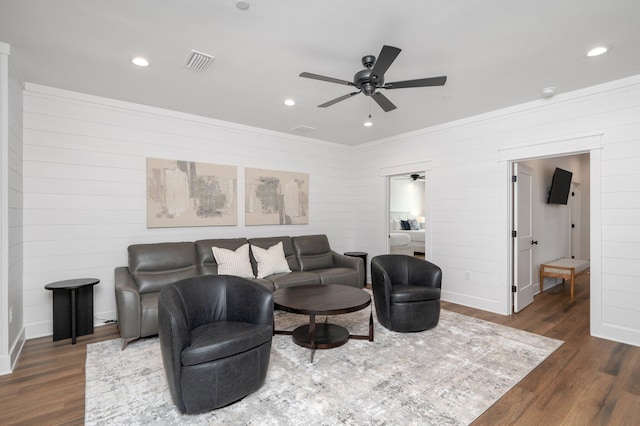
(322, 299)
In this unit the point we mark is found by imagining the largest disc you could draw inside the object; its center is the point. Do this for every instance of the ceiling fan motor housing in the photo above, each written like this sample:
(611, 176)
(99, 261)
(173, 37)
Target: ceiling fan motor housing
(367, 82)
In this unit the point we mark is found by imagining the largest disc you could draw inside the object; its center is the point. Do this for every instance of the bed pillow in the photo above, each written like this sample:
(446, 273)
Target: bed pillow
(395, 224)
(232, 262)
(270, 261)
(404, 225)
(413, 224)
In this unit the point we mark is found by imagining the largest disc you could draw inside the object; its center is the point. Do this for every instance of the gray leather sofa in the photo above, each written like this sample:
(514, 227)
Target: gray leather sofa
(153, 266)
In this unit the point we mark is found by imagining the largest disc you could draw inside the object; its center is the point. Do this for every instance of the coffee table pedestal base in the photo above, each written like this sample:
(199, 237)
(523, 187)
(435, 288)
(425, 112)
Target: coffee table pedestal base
(326, 336)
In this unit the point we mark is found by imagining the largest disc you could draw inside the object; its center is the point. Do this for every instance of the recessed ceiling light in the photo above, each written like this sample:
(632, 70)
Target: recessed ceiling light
(242, 4)
(597, 51)
(368, 124)
(289, 102)
(140, 61)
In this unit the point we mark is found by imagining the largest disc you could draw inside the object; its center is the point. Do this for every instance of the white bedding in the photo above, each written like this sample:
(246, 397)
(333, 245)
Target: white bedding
(399, 239)
(405, 241)
(416, 236)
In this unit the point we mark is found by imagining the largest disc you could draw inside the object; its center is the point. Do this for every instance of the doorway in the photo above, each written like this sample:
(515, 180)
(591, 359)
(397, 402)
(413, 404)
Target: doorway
(407, 214)
(421, 169)
(590, 145)
(577, 213)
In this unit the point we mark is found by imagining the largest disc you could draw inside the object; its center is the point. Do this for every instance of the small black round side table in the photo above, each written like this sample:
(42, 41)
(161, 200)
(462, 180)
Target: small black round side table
(72, 308)
(362, 255)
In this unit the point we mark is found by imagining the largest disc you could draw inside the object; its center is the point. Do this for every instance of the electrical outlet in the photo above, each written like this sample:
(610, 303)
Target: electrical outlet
(10, 314)
(467, 275)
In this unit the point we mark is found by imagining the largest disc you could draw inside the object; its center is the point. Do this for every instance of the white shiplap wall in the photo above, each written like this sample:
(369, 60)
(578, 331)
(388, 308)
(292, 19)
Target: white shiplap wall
(12, 332)
(469, 202)
(5, 365)
(84, 180)
(15, 206)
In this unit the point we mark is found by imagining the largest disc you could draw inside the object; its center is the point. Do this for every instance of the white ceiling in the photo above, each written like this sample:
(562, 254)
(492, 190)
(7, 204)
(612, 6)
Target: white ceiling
(496, 53)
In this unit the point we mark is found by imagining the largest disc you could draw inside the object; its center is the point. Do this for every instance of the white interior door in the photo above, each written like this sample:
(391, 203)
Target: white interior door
(575, 204)
(523, 242)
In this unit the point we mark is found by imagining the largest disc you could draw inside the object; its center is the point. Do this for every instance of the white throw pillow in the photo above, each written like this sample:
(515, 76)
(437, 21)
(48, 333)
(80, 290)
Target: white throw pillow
(270, 261)
(233, 262)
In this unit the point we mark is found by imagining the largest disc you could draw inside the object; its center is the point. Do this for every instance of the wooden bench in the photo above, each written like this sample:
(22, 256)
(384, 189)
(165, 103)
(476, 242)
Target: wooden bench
(564, 268)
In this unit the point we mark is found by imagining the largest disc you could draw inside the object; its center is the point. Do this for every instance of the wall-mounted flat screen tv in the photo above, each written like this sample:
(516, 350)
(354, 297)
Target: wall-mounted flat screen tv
(560, 187)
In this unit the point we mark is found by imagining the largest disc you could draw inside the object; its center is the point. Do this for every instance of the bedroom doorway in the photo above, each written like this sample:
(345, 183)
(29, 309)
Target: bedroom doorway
(407, 217)
(421, 213)
(422, 168)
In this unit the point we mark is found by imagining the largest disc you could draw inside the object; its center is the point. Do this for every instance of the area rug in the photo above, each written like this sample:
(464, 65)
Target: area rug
(446, 376)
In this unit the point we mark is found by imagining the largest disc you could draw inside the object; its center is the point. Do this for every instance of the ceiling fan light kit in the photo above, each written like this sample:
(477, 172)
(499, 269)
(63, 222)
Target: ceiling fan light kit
(371, 79)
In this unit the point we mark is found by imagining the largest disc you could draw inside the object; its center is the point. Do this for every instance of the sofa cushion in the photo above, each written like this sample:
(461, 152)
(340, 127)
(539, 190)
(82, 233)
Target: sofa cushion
(313, 252)
(270, 261)
(233, 262)
(346, 276)
(290, 279)
(264, 283)
(287, 246)
(153, 266)
(218, 340)
(206, 262)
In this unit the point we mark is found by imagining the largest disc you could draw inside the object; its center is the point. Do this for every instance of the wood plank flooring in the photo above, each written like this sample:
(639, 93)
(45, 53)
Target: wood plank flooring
(587, 381)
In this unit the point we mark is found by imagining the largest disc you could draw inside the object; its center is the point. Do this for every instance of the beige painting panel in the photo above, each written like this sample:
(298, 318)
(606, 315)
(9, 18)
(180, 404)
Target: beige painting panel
(275, 197)
(188, 193)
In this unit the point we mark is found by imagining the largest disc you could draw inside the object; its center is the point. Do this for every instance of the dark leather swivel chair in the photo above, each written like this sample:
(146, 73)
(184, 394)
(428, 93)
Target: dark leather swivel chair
(215, 338)
(406, 292)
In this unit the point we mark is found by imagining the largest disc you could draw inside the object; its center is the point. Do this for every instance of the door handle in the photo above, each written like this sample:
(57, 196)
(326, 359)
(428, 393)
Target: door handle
(534, 242)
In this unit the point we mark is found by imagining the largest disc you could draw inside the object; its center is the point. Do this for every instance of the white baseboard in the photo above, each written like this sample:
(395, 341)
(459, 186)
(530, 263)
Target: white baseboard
(8, 362)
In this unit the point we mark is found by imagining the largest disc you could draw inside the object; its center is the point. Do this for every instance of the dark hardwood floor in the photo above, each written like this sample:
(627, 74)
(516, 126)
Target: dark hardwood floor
(586, 381)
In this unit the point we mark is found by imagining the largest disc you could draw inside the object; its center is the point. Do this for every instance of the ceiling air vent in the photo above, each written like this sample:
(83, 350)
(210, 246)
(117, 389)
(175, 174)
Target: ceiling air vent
(198, 61)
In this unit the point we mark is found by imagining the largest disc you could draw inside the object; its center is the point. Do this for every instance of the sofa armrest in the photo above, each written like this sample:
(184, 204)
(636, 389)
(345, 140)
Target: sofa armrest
(128, 304)
(342, 261)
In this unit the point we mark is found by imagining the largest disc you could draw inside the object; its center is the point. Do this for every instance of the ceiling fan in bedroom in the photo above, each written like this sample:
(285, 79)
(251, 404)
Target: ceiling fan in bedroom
(414, 177)
(371, 79)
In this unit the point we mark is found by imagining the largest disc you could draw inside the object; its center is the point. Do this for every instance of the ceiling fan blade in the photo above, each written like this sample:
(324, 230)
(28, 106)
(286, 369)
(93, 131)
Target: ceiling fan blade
(383, 101)
(336, 100)
(421, 82)
(323, 78)
(387, 55)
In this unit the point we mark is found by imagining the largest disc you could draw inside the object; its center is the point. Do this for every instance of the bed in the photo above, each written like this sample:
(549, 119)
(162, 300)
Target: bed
(403, 241)
(565, 268)
(399, 243)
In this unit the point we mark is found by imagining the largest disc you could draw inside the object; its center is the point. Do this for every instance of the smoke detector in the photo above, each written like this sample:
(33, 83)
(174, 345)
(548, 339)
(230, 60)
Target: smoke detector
(242, 4)
(548, 92)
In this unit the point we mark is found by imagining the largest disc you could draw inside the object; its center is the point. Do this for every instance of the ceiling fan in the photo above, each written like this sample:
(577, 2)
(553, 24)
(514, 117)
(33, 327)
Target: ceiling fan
(414, 177)
(371, 79)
